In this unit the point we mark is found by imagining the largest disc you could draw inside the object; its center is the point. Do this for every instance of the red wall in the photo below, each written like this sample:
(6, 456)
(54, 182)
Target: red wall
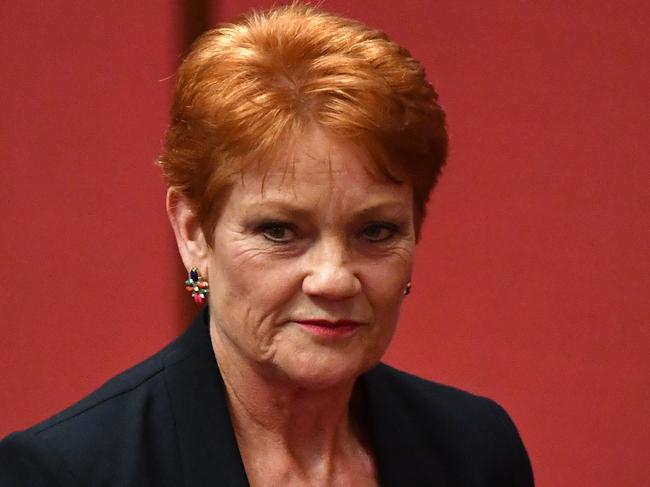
(88, 263)
(532, 275)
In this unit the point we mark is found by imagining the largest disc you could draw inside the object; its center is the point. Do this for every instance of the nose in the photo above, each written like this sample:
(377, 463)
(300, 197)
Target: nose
(330, 274)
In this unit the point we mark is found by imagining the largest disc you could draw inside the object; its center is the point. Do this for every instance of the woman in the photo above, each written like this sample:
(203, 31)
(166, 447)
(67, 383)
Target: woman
(301, 153)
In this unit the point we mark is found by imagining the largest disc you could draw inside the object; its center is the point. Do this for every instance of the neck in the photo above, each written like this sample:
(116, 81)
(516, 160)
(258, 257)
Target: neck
(268, 410)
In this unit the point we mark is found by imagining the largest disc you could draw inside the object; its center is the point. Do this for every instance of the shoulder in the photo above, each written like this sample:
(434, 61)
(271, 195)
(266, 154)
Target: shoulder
(118, 396)
(473, 435)
(432, 398)
(117, 423)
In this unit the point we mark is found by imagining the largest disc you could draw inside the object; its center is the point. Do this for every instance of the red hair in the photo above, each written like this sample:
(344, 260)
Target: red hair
(250, 88)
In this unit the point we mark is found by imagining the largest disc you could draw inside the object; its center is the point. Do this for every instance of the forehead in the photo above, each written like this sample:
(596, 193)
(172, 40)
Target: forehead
(318, 165)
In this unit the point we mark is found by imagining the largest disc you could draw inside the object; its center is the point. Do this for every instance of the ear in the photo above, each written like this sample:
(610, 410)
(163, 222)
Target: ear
(190, 239)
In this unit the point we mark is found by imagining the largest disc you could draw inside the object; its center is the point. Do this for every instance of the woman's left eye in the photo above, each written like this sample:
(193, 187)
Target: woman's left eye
(379, 232)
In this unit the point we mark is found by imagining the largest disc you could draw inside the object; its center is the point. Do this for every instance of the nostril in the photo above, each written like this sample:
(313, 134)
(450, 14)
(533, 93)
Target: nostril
(332, 283)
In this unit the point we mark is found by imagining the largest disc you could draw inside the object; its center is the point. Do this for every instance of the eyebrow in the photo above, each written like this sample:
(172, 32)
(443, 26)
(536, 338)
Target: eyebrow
(290, 209)
(277, 206)
(392, 206)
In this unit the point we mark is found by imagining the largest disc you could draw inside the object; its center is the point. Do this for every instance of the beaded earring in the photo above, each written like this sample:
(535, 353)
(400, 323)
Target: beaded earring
(198, 286)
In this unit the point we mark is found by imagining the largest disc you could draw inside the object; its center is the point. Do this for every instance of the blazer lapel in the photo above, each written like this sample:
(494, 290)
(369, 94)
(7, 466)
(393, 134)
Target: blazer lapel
(404, 454)
(207, 443)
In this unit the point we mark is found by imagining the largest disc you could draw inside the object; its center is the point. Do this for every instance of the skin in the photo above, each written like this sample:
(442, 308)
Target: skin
(319, 239)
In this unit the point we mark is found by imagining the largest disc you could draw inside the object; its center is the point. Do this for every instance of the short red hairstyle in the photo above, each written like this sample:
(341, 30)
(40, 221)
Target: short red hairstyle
(248, 90)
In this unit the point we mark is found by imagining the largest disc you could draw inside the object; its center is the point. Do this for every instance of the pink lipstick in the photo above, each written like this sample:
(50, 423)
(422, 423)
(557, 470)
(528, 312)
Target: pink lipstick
(339, 328)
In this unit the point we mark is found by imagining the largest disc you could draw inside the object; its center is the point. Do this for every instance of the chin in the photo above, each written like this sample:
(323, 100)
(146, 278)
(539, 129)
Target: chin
(324, 372)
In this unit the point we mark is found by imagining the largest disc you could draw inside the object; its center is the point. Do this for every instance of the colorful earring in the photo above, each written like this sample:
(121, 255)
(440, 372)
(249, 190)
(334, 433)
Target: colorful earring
(198, 286)
(407, 289)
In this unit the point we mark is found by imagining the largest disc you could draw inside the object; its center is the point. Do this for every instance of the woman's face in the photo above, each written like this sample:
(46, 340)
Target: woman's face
(308, 266)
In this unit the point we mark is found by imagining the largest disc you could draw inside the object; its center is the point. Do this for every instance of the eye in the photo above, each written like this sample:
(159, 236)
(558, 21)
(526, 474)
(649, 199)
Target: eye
(379, 231)
(278, 232)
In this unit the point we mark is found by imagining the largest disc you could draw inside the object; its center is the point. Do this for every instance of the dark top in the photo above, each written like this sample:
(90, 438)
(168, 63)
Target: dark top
(165, 423)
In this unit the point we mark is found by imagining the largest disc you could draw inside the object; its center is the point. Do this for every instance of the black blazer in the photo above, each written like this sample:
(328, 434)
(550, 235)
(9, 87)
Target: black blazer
(165, 423)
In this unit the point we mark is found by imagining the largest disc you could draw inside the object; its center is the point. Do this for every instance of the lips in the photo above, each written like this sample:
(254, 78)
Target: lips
(330, 328)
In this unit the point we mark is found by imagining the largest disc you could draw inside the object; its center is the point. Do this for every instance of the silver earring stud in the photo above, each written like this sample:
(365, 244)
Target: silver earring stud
(407, 289)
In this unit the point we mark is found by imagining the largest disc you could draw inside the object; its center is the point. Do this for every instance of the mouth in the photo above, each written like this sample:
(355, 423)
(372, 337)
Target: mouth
(326, 328)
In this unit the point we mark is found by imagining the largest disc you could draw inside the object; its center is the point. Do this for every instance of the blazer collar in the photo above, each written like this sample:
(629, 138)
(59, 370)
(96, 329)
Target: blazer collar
(208, 447)
(402, 449)
(207, 443)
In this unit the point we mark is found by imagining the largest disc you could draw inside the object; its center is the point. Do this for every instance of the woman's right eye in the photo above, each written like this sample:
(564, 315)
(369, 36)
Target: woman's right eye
(277, 232)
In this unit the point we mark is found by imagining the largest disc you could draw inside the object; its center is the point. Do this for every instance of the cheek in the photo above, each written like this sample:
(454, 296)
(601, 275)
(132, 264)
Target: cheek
(384, 286)
(385, 281)
(251, 284)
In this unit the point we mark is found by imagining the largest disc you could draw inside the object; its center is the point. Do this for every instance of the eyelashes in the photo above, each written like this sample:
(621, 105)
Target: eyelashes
(277, 232)
(380, 231)
(283, 233)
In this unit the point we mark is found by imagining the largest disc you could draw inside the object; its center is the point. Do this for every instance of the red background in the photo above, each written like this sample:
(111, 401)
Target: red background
(531, 278)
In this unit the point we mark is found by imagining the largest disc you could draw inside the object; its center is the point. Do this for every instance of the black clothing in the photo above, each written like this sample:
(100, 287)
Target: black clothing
(165, 423)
